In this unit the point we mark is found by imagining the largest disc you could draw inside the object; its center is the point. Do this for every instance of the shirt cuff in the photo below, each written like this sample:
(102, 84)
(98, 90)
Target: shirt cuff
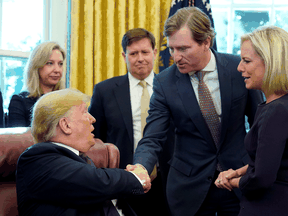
(141, 181)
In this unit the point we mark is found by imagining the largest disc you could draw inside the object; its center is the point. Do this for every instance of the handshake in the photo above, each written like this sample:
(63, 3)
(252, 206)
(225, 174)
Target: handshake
(142, 174)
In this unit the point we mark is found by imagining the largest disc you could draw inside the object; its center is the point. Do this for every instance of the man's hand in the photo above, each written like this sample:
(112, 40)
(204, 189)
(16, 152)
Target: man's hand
(142, 174)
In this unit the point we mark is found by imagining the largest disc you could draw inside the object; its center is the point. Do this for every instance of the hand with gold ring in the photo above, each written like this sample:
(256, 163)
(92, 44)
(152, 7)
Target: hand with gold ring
(222, 181)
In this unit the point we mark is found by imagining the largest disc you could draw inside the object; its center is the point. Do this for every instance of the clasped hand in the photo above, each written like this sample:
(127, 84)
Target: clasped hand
(142, 173)
(228, 179)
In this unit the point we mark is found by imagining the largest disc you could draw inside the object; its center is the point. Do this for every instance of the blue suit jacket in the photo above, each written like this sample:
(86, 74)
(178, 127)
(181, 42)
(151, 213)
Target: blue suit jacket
(194, 161)
(111, 107)
(52, 180)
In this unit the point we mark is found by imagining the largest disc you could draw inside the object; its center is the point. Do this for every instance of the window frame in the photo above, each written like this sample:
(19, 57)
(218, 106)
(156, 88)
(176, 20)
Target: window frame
(218, 6)
(53, 9)
(55, 19)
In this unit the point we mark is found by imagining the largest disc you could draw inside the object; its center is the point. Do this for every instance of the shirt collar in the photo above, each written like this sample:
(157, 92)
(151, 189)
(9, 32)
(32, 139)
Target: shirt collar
(211, 66)
(134, 82)
(67, 147)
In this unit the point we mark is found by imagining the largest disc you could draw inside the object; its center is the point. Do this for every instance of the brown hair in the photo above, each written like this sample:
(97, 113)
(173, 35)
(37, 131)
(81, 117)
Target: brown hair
(137, 34)
(195, 19)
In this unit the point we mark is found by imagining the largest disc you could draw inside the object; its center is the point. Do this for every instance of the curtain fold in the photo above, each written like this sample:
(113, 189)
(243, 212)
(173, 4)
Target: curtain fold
(97, 28)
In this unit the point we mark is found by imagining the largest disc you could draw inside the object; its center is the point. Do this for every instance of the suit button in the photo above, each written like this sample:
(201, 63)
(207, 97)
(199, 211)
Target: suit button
(210, 178)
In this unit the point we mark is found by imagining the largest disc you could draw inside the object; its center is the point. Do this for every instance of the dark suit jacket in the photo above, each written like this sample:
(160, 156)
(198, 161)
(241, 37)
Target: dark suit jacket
(52, 180)
(111, 107)
(195, 158)
(1, 111)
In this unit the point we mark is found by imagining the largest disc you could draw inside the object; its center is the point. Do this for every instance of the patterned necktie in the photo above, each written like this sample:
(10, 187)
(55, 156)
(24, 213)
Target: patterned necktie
(145, 100)
(208, 111)
(85, 157)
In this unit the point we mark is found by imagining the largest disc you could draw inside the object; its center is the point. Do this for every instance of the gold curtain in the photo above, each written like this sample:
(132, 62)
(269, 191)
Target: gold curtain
(97, 28)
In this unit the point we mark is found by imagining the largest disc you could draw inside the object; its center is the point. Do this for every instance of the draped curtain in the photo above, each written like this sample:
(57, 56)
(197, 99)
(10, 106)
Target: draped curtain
(97, 28)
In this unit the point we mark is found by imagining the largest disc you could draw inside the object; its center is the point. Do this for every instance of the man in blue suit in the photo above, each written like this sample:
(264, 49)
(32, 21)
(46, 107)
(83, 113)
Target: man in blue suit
(200, 152)
(52, 176)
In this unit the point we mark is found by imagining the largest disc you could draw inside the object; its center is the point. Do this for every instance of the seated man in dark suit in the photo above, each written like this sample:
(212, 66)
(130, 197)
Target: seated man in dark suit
(53, 179)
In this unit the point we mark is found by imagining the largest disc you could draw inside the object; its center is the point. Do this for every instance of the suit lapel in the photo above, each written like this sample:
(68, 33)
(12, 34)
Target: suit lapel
(122, 94)
(225, 83)
(191, 105)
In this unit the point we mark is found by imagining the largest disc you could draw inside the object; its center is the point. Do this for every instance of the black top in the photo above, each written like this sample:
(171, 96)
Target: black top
(20, 110)
(266, 178)
(1, 110)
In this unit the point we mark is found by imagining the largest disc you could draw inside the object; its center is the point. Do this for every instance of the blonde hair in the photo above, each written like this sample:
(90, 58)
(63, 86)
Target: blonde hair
(271, 44)
(195, 19)
(50, 108)
(38, 58)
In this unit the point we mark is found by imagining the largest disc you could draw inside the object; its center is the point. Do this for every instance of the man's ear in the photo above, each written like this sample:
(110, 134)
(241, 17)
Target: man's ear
(155, 53)
(65, 126)
(207, 42)
(124, 56)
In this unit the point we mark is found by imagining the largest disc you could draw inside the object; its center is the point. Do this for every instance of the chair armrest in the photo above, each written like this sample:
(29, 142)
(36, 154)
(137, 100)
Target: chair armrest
(13, 141)
(113, 155)
(104, 155)
(99, 154)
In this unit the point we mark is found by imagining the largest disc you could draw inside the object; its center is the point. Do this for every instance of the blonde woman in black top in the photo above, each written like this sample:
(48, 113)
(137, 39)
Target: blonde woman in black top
(264, 181)
(43, 74)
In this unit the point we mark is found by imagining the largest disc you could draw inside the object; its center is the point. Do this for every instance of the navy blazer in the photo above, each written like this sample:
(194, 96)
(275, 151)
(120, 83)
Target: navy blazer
(52, 180)
(111, 107)
(195, 158)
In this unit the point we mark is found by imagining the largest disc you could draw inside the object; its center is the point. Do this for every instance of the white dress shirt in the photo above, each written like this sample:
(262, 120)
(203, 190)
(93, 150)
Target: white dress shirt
(67, 147)
(212, 82)
(135, 99)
